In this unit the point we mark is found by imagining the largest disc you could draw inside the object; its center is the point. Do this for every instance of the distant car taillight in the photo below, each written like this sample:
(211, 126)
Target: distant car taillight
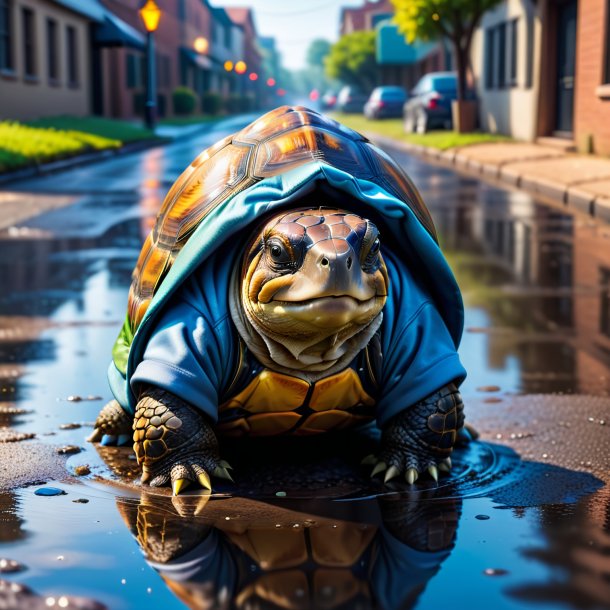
(433, 101)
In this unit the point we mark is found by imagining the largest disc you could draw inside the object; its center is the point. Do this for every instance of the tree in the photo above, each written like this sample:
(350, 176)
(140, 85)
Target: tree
(352, 60)
(454, 19)
(317, 51)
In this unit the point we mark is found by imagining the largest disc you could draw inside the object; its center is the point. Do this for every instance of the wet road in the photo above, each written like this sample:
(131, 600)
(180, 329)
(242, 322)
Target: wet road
(527, 527)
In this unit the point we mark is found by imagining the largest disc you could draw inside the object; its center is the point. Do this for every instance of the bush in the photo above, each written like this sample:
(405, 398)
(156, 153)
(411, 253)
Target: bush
(184, 100)
(211, 103)
(239, 103)
(24, 145)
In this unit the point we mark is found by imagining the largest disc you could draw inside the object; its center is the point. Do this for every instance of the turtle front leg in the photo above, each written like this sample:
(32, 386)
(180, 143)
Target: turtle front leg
(174, 443)
(112, 426)
(421, 438)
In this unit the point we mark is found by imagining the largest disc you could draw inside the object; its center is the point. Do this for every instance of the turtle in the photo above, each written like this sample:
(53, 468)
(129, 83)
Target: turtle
(293, 284)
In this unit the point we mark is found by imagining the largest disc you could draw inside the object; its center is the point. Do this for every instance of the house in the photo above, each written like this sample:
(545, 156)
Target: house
(365, 17)
(542, 70)
(45, 57)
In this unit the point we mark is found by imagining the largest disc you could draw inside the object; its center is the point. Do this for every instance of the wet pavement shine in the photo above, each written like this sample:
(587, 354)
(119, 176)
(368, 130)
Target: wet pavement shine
(522, 522)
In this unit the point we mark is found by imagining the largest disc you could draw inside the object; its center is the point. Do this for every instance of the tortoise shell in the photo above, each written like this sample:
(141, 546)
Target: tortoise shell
(277, 142)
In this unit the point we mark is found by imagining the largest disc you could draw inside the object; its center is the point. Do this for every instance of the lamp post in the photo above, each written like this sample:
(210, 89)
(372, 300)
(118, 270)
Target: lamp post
(150, 14)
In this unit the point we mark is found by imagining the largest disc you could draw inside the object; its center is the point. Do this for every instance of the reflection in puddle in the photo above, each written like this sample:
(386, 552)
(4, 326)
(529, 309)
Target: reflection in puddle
(272, 557)
(536, 281)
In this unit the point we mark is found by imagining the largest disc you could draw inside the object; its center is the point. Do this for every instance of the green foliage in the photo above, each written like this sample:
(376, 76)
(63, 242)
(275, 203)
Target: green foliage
(211, 103)
(236, 103)
(352, 60)
(25, 145)
(393, 128)
(184, 100)
(317, 51)
(100, 126)
(428, 19)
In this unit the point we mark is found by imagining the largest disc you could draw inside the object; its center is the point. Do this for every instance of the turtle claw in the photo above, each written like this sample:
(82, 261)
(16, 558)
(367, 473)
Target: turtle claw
(178, 485)
(411, 476)
(369, 460)
(204, 480)
(225, 464)
(443, 467)
(433, 470)
(95, 436)
(381, 466)
(222, 473)
(391, 473)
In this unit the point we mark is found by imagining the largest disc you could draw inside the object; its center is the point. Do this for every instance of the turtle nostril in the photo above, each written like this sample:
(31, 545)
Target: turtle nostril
(324, 262)
(349, 262)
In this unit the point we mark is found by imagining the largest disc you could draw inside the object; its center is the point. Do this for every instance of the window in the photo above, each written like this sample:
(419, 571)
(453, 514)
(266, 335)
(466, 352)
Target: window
(6, 38)
(490, 54)
(72, 49)
(501, 55)
(29, 42)
(512, 73)
(501, 67)
(53, 72)
(134, 77)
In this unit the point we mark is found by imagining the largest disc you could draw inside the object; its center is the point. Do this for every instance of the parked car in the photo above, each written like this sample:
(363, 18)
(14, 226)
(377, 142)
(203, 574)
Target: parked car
(328, 100)
(351, 99)
(430, 102)
(385, 102)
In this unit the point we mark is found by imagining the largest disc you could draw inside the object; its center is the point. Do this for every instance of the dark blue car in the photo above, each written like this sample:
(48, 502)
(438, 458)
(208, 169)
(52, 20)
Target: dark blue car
(430, 103)
(385, 102)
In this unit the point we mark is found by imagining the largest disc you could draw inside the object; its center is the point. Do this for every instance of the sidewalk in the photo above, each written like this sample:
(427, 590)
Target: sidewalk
(579, 181)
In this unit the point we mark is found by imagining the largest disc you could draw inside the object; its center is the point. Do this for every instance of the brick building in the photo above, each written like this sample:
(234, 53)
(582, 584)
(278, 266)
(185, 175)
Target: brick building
(252, 54)
(45, 57)
(542, 69)
(592, 86)
(365, 17)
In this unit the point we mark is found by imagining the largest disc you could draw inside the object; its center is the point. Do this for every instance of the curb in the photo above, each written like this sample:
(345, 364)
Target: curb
(563, 194)
(78, 160)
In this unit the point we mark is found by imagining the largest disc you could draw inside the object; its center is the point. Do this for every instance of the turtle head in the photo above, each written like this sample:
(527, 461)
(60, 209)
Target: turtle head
(315, 270)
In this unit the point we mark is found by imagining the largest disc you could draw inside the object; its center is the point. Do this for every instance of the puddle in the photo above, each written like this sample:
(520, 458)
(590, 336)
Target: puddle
(506, 530)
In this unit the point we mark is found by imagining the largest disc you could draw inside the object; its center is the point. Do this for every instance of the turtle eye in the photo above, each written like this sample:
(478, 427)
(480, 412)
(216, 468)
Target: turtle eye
(371, 259)
(278, 253)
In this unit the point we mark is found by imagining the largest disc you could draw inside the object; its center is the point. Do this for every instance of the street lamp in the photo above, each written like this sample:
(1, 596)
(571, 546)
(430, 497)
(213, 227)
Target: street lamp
(150, 14)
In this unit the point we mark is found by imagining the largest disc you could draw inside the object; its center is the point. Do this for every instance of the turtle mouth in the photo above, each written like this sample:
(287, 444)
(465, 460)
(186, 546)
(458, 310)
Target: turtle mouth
(328, 311)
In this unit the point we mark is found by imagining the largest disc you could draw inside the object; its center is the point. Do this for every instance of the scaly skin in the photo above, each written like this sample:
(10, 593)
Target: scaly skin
(174, 443)
(421, 438)
(112, 426)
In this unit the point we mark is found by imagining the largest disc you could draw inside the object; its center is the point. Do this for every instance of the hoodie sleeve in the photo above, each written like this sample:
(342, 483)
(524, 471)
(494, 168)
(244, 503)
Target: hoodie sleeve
(192, 350)
(418, 354)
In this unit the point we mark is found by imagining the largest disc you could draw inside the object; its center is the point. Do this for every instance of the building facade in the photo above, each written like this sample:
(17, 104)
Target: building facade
(365, 17)
(542, 70)
(45, 57)
(592, 85)
(506, 67)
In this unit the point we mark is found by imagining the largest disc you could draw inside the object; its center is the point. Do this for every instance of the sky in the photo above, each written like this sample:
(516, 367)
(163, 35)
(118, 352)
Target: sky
(295, 23)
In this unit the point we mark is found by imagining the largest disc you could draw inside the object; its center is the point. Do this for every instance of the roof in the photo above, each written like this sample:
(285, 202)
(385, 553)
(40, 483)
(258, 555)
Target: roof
(242, 15)
(220, 14)
(115, 32)
(91, 9)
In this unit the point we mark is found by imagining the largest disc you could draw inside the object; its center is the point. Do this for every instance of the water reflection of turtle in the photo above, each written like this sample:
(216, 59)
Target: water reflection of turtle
(265, 303)
(380, 555)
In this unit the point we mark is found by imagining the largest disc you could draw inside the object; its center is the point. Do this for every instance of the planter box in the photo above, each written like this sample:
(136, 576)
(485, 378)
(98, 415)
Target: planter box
(464, 115)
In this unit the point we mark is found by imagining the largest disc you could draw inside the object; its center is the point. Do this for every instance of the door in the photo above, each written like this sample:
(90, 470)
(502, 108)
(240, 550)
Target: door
(566, 61)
